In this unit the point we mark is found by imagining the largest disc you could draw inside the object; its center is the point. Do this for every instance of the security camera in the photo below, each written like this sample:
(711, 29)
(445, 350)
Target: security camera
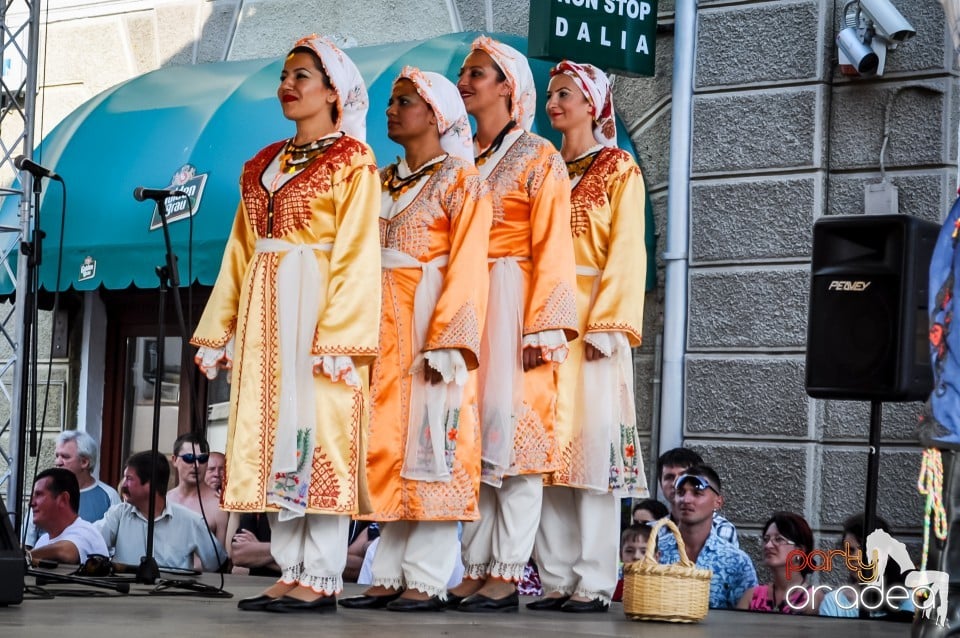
(855, 53)
(889, 22)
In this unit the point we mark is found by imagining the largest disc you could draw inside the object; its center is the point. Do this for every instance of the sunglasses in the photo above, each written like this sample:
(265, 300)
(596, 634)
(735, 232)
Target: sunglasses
(699, 482)
(190, 459)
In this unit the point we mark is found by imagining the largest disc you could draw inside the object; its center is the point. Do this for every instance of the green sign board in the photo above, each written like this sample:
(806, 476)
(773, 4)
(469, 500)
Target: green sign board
(615, 35)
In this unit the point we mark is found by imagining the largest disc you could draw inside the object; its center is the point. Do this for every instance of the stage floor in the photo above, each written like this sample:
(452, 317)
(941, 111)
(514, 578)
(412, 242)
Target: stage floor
(105, 614)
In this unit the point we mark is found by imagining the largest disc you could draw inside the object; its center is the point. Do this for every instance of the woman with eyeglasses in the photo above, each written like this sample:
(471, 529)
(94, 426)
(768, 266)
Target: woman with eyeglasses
(531, 314)
(785, 536)
(294, 313)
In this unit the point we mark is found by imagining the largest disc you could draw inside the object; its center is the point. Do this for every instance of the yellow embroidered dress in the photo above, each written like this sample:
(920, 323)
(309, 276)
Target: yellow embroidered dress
(530, 232)
(441, 223)
(608, 229)
(326, 213)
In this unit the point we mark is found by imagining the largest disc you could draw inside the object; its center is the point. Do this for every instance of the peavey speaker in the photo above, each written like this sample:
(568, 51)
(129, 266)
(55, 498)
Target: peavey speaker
(13, 567)
(867, 332)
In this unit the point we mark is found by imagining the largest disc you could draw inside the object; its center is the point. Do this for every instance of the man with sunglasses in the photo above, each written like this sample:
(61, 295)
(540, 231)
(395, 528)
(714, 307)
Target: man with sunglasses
(696, 499)
(191, 454)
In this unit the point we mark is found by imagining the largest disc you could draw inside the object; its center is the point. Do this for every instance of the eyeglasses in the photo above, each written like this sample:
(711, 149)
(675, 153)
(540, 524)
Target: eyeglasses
(190, 459)
(777, 540)
(699, 482)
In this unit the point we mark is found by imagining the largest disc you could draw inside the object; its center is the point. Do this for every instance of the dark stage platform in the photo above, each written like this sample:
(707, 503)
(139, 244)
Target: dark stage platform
(105, 614)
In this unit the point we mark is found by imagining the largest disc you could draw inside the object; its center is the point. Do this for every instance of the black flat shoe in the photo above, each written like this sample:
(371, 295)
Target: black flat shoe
(257, 603)
(287, 604)
(453, 601)
(548, 604)
(407, 604)
(368, 602)
(585, 607)
(480, 603)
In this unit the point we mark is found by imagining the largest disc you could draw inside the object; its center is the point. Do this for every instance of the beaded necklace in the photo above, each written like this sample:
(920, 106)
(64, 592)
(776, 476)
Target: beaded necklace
(295, 157)
(496, 144)
(397, 185)
(581, 165)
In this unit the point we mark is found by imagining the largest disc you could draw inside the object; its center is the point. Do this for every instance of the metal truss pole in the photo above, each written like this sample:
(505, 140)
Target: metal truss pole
(19, 40)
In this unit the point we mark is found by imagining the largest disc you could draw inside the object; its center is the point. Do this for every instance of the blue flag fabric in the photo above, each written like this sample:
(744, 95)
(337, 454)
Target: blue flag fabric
(940, 425)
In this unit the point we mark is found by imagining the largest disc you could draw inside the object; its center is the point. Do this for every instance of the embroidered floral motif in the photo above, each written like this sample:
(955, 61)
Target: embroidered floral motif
(616, 326)
(220, 341)
(559, 311)
(463, 331)
(443, 501)
(293, 212)
(590, 193)
(409, 231)
(534, 446)
(523, 160)
(325, 489)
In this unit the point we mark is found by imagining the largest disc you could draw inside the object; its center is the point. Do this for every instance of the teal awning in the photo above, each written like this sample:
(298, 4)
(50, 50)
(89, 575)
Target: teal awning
(212, 117)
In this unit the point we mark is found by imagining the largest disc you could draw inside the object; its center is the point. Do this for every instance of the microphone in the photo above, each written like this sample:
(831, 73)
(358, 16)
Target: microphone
(156, 194)
(24, 164)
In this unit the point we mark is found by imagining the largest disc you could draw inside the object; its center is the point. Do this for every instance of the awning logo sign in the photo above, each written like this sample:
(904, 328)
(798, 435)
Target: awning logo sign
(88, 269)
(186, 180)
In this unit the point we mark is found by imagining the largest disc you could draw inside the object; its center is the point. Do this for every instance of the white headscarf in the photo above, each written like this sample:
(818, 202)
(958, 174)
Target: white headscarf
(595, 86)
(515, 66)
(444, 98)
(346, 81)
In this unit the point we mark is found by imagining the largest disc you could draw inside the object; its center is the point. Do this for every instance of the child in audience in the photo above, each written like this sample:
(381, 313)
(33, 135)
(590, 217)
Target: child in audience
(633, 547)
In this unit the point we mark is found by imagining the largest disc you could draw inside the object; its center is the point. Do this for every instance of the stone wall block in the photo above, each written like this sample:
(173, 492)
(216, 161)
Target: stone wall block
(748, 308)
(636, 98)
(757, 479)
(757, 397)
(850, 421)
(747, 131)
(176, 33)
(842, 485)
(917, 125)
(754, 218)
(652, 142)
(928, 195)
(735, 47)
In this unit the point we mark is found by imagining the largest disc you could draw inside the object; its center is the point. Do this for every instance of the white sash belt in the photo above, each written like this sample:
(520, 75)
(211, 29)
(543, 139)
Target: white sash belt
(433, 407)
(299, 304)
(501, 368)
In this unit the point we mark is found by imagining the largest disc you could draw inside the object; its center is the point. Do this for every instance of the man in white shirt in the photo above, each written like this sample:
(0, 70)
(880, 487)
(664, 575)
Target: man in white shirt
(179, 534)
(77, 451)
(54, 504)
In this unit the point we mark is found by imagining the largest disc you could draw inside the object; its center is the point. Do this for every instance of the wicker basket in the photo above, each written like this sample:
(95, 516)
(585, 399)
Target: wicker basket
(672, 593)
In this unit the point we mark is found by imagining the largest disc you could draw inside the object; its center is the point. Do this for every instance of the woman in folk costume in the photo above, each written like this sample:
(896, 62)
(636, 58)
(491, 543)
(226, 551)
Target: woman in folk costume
(577, 544)
(294, 314)
(423, 460)
(531, 314)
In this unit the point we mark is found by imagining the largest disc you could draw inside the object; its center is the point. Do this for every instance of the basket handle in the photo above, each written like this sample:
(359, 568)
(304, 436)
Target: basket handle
(655, 533)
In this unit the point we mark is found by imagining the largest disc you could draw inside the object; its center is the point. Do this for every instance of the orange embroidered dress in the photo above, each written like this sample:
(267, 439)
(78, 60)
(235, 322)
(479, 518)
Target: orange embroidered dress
(440, 223)
(531, 231)
(327, 213)
(608, 230)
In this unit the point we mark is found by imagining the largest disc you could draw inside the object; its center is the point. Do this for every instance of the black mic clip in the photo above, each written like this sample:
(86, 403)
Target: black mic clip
(156, 194)
(25, 164)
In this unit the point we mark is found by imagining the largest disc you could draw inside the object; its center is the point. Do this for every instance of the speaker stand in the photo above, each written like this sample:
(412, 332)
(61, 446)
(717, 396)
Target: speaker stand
(873, 468)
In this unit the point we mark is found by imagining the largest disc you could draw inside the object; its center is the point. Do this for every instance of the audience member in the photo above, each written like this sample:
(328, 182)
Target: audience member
(191, 453)
(54, 504)
(696, 499)
(77, 451)
(840, 602)
(216, 468)
(790, 591)
(670, 466)
(647, 511)
(633, 547)
(179, 534)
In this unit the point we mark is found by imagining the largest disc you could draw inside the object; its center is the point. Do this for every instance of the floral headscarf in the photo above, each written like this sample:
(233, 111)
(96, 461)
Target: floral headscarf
(444, 98)
(596, 88)
(515, 66)
(346, 81)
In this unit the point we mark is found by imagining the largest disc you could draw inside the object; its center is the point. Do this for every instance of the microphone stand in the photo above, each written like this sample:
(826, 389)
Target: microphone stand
(148, 571)
(28, 348)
